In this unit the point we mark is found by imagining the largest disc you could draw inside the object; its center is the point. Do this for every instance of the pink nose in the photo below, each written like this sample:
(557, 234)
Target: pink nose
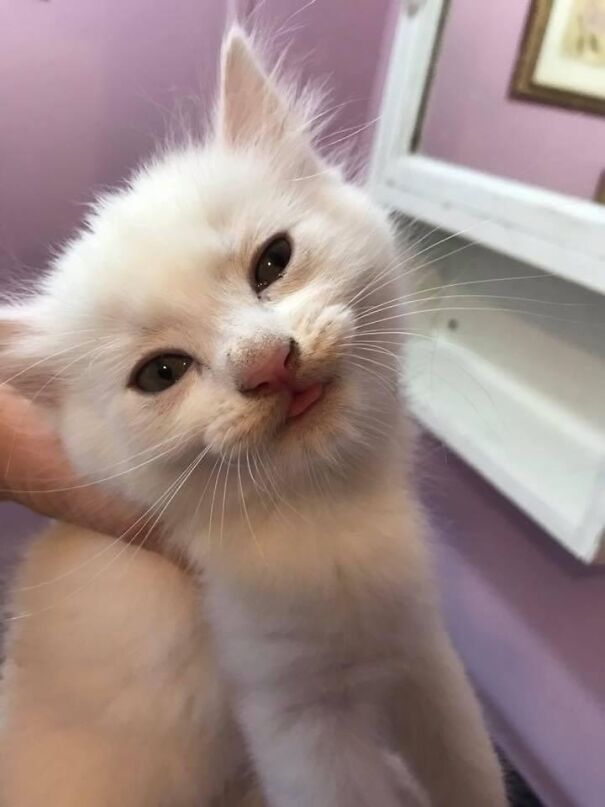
(268, 370)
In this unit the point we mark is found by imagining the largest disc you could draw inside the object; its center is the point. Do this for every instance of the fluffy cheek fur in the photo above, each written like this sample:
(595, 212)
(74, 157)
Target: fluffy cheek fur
(152, 439)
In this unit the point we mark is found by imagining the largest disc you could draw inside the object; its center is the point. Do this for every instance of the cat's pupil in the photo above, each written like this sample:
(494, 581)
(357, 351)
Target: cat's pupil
(165, 372)
(272, 262)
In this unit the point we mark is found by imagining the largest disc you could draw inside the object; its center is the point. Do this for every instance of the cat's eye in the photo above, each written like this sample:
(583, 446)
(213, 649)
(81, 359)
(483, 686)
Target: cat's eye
(272, 262)
(161, 372)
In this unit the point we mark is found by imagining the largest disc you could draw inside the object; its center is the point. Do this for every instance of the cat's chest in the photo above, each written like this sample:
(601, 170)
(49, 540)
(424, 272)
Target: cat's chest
(336, 636)
(334, 591)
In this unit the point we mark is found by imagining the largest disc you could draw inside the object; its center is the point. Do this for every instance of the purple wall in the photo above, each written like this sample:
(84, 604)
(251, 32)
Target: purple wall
(87, 87)
(17, 525)
(471, 121)
(347, 44)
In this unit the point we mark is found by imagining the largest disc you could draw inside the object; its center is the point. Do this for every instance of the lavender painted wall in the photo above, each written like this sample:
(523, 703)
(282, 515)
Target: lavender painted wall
(85, 89)
(17, 526)
(346, 44)
(471, 121)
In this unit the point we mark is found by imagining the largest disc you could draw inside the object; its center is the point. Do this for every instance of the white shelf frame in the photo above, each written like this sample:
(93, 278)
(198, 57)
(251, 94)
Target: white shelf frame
(560, 234)
(552, 231)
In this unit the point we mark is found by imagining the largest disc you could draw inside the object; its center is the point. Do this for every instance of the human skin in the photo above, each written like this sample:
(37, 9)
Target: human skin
(35, 472)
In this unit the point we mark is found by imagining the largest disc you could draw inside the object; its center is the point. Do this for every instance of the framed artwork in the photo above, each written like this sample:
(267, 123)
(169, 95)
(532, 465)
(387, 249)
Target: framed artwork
(562, 56)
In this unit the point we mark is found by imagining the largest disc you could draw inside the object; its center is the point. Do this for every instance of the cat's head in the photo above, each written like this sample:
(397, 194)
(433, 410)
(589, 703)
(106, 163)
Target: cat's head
(217, 309)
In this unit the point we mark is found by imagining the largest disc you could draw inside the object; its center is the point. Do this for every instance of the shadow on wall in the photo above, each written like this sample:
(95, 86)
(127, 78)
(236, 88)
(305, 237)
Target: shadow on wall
(17, 527)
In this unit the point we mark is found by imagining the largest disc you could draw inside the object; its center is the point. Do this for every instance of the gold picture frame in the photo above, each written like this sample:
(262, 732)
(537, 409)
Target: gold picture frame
(525, 84)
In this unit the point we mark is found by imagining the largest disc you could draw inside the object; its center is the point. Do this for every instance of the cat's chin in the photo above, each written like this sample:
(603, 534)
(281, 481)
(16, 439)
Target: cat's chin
(318, 431)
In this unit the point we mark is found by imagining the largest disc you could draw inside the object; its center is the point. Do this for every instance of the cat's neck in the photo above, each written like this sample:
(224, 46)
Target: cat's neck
(356, 522)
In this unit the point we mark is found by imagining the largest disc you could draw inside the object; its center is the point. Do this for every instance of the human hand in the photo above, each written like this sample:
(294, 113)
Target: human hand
(35, 472)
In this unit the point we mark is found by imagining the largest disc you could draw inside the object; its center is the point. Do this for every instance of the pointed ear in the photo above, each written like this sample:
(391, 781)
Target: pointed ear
(24, 363)
(254, 109)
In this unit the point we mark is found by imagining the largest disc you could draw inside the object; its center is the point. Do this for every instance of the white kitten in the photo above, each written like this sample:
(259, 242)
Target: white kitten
(207, 347)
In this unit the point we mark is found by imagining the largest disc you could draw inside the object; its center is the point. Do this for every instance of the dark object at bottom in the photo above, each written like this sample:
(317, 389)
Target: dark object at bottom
(519, 792)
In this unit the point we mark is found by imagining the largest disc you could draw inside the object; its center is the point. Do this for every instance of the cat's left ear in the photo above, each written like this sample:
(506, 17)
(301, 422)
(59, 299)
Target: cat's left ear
(254, 109)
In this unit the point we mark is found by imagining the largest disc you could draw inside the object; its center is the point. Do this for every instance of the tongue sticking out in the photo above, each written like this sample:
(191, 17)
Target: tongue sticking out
(301, 401)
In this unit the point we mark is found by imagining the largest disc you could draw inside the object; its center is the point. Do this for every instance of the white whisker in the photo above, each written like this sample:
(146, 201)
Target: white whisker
(246, 514)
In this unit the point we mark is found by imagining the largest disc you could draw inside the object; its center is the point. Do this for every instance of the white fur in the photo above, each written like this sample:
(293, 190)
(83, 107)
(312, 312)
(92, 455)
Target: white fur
(312, 649)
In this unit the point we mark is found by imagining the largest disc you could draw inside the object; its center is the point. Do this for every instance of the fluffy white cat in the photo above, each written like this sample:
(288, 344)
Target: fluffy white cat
(208, 346)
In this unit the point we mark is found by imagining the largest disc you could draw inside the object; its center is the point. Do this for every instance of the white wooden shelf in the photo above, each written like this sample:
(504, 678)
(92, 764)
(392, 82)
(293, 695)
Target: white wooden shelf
(521, 396)
(516, 443)
(511, 375)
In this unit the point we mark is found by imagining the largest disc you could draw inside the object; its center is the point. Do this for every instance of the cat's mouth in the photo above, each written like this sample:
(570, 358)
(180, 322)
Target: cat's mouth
(295, 411)
(303, 399)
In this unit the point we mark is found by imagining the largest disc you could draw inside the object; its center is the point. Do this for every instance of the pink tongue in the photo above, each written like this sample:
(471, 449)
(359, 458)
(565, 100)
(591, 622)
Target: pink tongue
(301, 401)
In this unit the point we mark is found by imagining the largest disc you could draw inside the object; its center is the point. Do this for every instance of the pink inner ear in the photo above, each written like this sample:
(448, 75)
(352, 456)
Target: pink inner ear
(254, 110)
(250, 105)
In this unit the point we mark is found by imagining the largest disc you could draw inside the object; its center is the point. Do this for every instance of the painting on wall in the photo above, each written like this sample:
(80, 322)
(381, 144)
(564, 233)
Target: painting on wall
(562, 56)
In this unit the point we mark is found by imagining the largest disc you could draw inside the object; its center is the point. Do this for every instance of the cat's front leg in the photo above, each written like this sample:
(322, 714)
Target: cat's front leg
(311, 713)
(439, 728)
(323, 754)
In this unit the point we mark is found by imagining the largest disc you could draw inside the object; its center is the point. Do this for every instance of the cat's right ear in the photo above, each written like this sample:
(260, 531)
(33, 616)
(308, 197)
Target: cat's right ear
(255, 108)
(24, 363)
